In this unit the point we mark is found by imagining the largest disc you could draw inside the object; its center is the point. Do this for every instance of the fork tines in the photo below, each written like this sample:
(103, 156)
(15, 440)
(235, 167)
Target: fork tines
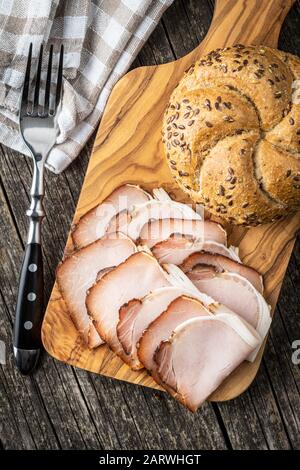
(33, 107)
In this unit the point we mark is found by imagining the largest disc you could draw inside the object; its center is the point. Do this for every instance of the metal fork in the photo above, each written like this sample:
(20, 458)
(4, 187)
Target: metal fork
(39, 130)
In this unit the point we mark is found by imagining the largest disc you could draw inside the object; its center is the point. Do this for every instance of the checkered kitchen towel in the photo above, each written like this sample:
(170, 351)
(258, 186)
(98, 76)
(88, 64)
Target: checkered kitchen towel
(101, 38)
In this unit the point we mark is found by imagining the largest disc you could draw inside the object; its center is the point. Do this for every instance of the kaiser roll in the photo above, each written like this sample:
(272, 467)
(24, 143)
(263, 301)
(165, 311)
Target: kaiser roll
(231, 133)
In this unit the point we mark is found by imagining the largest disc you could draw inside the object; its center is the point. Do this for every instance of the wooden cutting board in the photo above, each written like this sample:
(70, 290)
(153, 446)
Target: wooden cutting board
(128, 148)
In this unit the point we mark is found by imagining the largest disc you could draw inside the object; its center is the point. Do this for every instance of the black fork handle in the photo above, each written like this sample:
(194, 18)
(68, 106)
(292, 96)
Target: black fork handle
(29, 310)
(30, 301)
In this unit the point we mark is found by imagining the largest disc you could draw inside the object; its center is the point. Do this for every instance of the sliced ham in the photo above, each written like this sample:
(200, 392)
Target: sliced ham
(157, 231)
(200, 354)
(206, 263)
(162, 327)
(76, 274)
(134, 221)
(239, 295)
(133, 279)
(94, 224)
(136, 316)
(175, 250)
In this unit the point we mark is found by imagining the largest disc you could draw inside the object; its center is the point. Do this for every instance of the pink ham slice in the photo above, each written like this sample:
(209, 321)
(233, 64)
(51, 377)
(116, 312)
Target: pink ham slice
(175, 250)
(159, 230)
(200, 354)
(94, 224)
(133, 279)
(204, 262)
(136, 316)
(76, 274)
(132, 223)
(232, 291)
(238, 294)
(180, 310)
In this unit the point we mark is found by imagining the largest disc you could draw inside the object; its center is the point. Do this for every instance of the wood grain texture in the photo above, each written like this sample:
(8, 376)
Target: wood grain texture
(71, 408)
(128, 149)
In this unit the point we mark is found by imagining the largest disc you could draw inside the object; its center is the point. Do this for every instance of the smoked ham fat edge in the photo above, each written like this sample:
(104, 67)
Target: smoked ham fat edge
(221, 263)
(214, 346)
(94, 223)
(175, 250)
(134, 278)
(132, 222)
(136, 316)
(240, 296)
(162, 327)
(76, 274)
(159, 230)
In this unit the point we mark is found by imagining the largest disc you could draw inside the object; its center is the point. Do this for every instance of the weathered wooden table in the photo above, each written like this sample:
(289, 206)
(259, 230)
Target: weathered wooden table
(62, 407)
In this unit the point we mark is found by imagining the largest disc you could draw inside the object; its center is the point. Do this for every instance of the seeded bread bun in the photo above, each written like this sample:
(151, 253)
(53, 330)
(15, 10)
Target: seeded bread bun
(231, 133)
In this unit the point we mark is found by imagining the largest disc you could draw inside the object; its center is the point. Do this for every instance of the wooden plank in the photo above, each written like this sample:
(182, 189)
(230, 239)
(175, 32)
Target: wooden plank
(150, 420)
(101, 412)
(58, 384)
(70, 402)
(20, 405)
(270, 407)
(101, 416)
(186, 24)
(246, 432)
(23, 398)
(128, 148)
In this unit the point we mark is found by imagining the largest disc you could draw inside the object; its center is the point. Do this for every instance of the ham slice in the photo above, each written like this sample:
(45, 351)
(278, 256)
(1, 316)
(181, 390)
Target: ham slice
(133, 222)
(94, 224)
(157, 231)
(201, 353)
(239, 295)
(76, 274)
(175, 250)
(136, 315)
(209, 262)
(181, 309)
(133, 279)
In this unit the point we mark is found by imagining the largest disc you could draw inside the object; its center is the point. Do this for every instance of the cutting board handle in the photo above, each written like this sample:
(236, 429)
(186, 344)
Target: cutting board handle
(247, 22)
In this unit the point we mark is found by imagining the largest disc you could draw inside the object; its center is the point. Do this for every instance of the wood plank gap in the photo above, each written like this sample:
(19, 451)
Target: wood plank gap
(86, 405)
(153, 418)
(271, 339)
(12, 415)
(38, 392)
(11, 213)
(168, 39)
(20, 180)
(57, 408)
(184, 5)
(6, 309)
(24, 414)
(282, 317)
(130, 413)
(276, 400)
(258, 419)
(70, 407)
(222, 426)
(99, 401)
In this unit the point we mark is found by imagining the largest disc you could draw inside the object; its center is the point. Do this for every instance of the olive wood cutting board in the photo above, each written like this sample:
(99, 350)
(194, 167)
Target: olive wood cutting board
(128, 148)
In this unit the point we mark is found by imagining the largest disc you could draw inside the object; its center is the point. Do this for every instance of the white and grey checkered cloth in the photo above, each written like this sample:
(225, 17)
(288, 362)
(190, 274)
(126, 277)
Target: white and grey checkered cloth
(101, 39)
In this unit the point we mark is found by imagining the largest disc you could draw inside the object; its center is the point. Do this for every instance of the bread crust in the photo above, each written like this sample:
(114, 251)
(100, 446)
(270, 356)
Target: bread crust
(231, 134)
